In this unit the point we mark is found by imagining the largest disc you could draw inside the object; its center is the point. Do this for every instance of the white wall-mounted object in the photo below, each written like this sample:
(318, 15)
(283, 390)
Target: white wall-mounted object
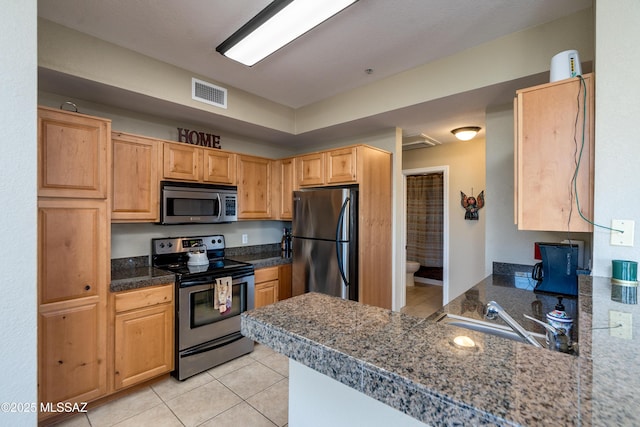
(565, 65)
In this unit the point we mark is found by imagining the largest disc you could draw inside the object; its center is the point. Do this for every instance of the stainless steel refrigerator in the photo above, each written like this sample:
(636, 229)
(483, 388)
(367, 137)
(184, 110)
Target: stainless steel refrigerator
(325, 241)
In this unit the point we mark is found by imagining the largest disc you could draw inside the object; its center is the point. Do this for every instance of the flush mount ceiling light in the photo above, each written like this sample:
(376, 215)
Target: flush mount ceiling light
(281, 22)
(466, 133)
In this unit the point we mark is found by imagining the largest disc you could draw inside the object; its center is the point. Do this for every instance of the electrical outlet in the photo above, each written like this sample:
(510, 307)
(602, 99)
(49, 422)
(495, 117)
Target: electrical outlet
(620, 324)
(245, 239)
(626, 237)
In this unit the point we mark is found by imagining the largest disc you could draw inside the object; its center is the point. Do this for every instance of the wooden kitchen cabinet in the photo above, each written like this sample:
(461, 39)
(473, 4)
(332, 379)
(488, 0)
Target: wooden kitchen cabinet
(284, 282)
(135, 178)
(72, 354)
(341, 165)
(74, 169)
(254, 187)
(73, 252)
(219, 166)
(192, 163)
(310, 169)
(73, 249)
(546, 156)
(73, 154)
(181, 161)
(284, 186)
(143, 336)
(331, 167)
(266, 286)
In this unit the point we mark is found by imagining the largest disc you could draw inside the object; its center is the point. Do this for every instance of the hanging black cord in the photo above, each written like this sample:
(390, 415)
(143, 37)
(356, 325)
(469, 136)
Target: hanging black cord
(575, 175)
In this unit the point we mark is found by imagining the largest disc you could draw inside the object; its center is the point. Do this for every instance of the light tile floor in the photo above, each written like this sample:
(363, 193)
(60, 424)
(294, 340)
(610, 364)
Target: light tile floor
(252, 390)
(423, 300)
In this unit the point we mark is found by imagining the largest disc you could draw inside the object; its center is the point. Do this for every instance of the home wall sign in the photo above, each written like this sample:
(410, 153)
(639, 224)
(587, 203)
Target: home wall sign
(198, 138)
(472, 205)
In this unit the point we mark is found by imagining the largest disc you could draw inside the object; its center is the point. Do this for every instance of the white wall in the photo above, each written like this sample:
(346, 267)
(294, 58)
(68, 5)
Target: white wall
(617, 112)
(18, 226)
(504, 243)
(466, 161)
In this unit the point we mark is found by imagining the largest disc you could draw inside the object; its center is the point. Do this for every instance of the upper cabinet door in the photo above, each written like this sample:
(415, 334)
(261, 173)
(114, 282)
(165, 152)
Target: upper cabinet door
(219, 167)
(550, 145)
(254, 187)
(341, 165)
(310, 169)
(182, 161)
(73, 154)
(135, 178)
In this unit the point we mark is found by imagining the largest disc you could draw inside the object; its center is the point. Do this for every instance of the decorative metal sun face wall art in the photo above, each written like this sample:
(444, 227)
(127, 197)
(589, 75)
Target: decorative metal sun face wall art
(472, 205)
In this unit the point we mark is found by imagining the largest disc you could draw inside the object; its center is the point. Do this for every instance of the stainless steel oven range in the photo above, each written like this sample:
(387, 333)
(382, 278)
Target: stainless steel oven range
(211, 292)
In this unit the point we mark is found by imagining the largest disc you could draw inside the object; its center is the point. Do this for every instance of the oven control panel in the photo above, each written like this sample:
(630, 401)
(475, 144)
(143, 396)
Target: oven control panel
(173, 245)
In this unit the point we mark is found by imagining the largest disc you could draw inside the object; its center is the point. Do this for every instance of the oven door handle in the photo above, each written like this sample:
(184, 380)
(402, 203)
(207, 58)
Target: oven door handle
(208, 346)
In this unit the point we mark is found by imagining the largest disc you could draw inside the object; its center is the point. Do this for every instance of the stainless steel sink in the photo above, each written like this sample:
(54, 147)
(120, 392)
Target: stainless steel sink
(486, 327)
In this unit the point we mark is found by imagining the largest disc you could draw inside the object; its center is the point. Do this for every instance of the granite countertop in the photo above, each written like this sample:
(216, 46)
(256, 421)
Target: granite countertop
(410, 363)
(135, 272)
(262, 259)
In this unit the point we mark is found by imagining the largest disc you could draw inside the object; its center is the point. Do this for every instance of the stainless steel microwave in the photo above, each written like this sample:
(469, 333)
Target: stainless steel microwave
(192, 203)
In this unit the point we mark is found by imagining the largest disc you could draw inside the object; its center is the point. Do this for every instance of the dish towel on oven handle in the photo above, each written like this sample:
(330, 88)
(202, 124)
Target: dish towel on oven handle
(224, 293)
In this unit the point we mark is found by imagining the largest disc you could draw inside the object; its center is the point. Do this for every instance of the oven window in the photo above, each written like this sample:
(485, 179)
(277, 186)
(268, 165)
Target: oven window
(192, 207)
(204, 312)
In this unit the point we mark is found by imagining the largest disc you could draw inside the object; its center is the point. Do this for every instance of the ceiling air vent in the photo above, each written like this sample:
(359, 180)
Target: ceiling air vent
(418, 141)
(208, 93)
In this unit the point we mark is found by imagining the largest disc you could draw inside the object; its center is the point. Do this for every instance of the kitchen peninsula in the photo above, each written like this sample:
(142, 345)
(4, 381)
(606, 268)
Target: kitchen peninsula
(410, 365)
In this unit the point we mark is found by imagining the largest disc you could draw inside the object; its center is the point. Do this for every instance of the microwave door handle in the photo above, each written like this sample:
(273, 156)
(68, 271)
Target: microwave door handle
(219, 206)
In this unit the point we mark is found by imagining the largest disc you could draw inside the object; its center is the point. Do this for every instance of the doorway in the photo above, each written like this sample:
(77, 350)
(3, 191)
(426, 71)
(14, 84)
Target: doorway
(432, 291)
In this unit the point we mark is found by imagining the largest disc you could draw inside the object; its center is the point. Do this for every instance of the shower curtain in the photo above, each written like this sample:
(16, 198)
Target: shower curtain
(425, 219)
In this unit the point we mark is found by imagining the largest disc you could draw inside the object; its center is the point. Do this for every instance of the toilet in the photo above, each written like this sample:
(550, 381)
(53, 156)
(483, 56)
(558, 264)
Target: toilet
(412, 267)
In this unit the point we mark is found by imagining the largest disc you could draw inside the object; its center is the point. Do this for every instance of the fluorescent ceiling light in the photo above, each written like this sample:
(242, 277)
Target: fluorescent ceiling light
(281, 22)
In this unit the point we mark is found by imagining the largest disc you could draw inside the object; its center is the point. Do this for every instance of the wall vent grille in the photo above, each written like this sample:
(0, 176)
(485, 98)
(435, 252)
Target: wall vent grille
(208, 93)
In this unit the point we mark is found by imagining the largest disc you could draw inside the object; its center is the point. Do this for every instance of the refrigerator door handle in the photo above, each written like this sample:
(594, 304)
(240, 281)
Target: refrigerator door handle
(338, 241)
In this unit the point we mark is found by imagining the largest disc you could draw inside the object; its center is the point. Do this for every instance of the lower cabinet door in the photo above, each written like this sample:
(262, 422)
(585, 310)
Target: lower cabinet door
(143, 344)
(266, 293)
(72, 353)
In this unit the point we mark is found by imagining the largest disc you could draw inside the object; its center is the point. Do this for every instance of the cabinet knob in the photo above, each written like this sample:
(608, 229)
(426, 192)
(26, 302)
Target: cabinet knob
(87, 287)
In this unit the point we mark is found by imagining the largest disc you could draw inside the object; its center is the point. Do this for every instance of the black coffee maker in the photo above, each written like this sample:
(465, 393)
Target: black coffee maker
(556, 273)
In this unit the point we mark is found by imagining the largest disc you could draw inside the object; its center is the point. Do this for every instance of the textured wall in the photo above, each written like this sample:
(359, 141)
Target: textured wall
(18, 352)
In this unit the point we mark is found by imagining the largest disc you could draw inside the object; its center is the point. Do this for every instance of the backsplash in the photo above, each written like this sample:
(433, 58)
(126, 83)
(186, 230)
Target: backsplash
(133, 240)
(511, 269)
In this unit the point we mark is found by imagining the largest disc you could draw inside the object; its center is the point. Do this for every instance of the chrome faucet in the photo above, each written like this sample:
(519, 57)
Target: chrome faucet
(494, 311)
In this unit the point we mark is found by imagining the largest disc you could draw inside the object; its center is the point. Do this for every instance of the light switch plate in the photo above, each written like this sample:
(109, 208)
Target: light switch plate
(626, 237)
